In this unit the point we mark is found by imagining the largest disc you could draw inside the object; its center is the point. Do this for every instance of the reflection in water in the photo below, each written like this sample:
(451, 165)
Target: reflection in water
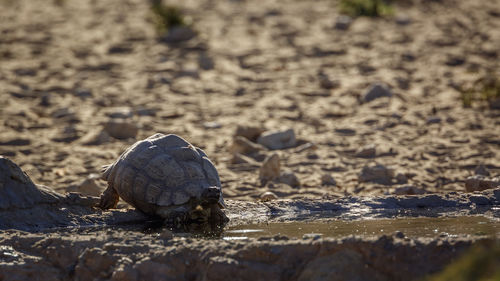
(197, 230)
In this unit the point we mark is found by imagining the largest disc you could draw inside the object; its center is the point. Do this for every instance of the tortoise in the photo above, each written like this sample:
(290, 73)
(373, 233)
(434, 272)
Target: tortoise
(166, 176)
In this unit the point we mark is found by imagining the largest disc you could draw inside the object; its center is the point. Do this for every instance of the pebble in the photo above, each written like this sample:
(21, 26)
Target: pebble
(376, 91)
(268, 196)
(278, 139)
(121, 129)
(83, 93)
(481, 170)
(244, 146)
(403, 19)
(270, 169)
(343, 22)
(376, 173)
(408, 190)
(326, 83)
(15, 141)
(178, 34)
(433, 120)
(212, 125)
(480, 182)
(95, 137)
(120, 112)
(66, 134)
(399, 234)
(345, 131)
(205, 62)
(88, 186)
(242, 159)
(290, 179)
(250, 132)
(313, 236)
(327, 179)
(401, 178)
(367, 151)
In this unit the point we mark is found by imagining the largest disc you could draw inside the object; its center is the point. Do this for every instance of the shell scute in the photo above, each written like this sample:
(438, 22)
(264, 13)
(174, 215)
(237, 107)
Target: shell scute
(168, 141)
(212, 175)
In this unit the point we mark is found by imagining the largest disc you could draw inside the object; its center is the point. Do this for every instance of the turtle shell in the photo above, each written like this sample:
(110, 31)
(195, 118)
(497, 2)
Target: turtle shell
(162, 170)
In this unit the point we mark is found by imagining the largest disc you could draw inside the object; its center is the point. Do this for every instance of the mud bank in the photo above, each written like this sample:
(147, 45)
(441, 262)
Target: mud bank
(104, 255)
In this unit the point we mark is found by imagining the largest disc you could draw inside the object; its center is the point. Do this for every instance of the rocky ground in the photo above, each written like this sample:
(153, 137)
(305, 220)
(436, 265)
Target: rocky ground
(82, 80)
(286, 97)
(72, 240)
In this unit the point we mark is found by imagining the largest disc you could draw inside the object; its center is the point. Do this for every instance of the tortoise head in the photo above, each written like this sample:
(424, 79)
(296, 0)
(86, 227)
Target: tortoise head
(211, 195)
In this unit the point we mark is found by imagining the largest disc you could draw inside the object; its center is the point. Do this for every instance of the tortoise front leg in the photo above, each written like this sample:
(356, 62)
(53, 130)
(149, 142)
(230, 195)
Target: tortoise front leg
(109, 198)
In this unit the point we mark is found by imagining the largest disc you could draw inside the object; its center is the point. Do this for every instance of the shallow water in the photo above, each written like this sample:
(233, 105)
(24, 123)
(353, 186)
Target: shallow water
(410, 227)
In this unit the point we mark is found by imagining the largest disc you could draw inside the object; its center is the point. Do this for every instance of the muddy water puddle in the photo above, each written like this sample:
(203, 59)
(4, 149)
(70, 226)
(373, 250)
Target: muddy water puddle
(410, 227)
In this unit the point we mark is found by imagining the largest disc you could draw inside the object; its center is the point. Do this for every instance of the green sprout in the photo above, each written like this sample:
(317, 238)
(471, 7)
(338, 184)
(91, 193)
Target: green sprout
(481, 262)
(166, 17)
(369, 8)
(485, 89)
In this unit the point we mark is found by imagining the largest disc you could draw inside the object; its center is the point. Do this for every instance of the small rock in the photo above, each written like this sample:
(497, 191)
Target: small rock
(376, 173)
(121, 129)
(494, 103)
(242, 159)
(15, 141)
(88, 186)
(399, 234)
(401, 178)
(343, 22)
(455, 60)
(212, 125)
(144, 111)
(313, 236)
(480, 182)
(83, 93)
(270, 169)
(244, 146)
(377, 91)
(326, 83)
(166, 234)
(481, 170)
(367, 151)
(306, 146)
(66, 134)
(178, 34)
(327, 179)
(120, 112)
(249, 131)
(63, 112)
(312, 156)
(268, 196)
(45, 100)
(205, 62)
(433, 120)
(278, 139)
(95, 137)
(345, 131)
(408, 190)
(403, 19)
(290, 179)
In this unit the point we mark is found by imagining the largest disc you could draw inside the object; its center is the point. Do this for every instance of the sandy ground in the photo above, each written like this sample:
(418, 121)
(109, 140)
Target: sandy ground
(67, 70)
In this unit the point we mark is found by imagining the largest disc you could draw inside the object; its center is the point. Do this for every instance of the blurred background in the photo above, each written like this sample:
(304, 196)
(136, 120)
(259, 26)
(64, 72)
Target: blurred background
(289, 98)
